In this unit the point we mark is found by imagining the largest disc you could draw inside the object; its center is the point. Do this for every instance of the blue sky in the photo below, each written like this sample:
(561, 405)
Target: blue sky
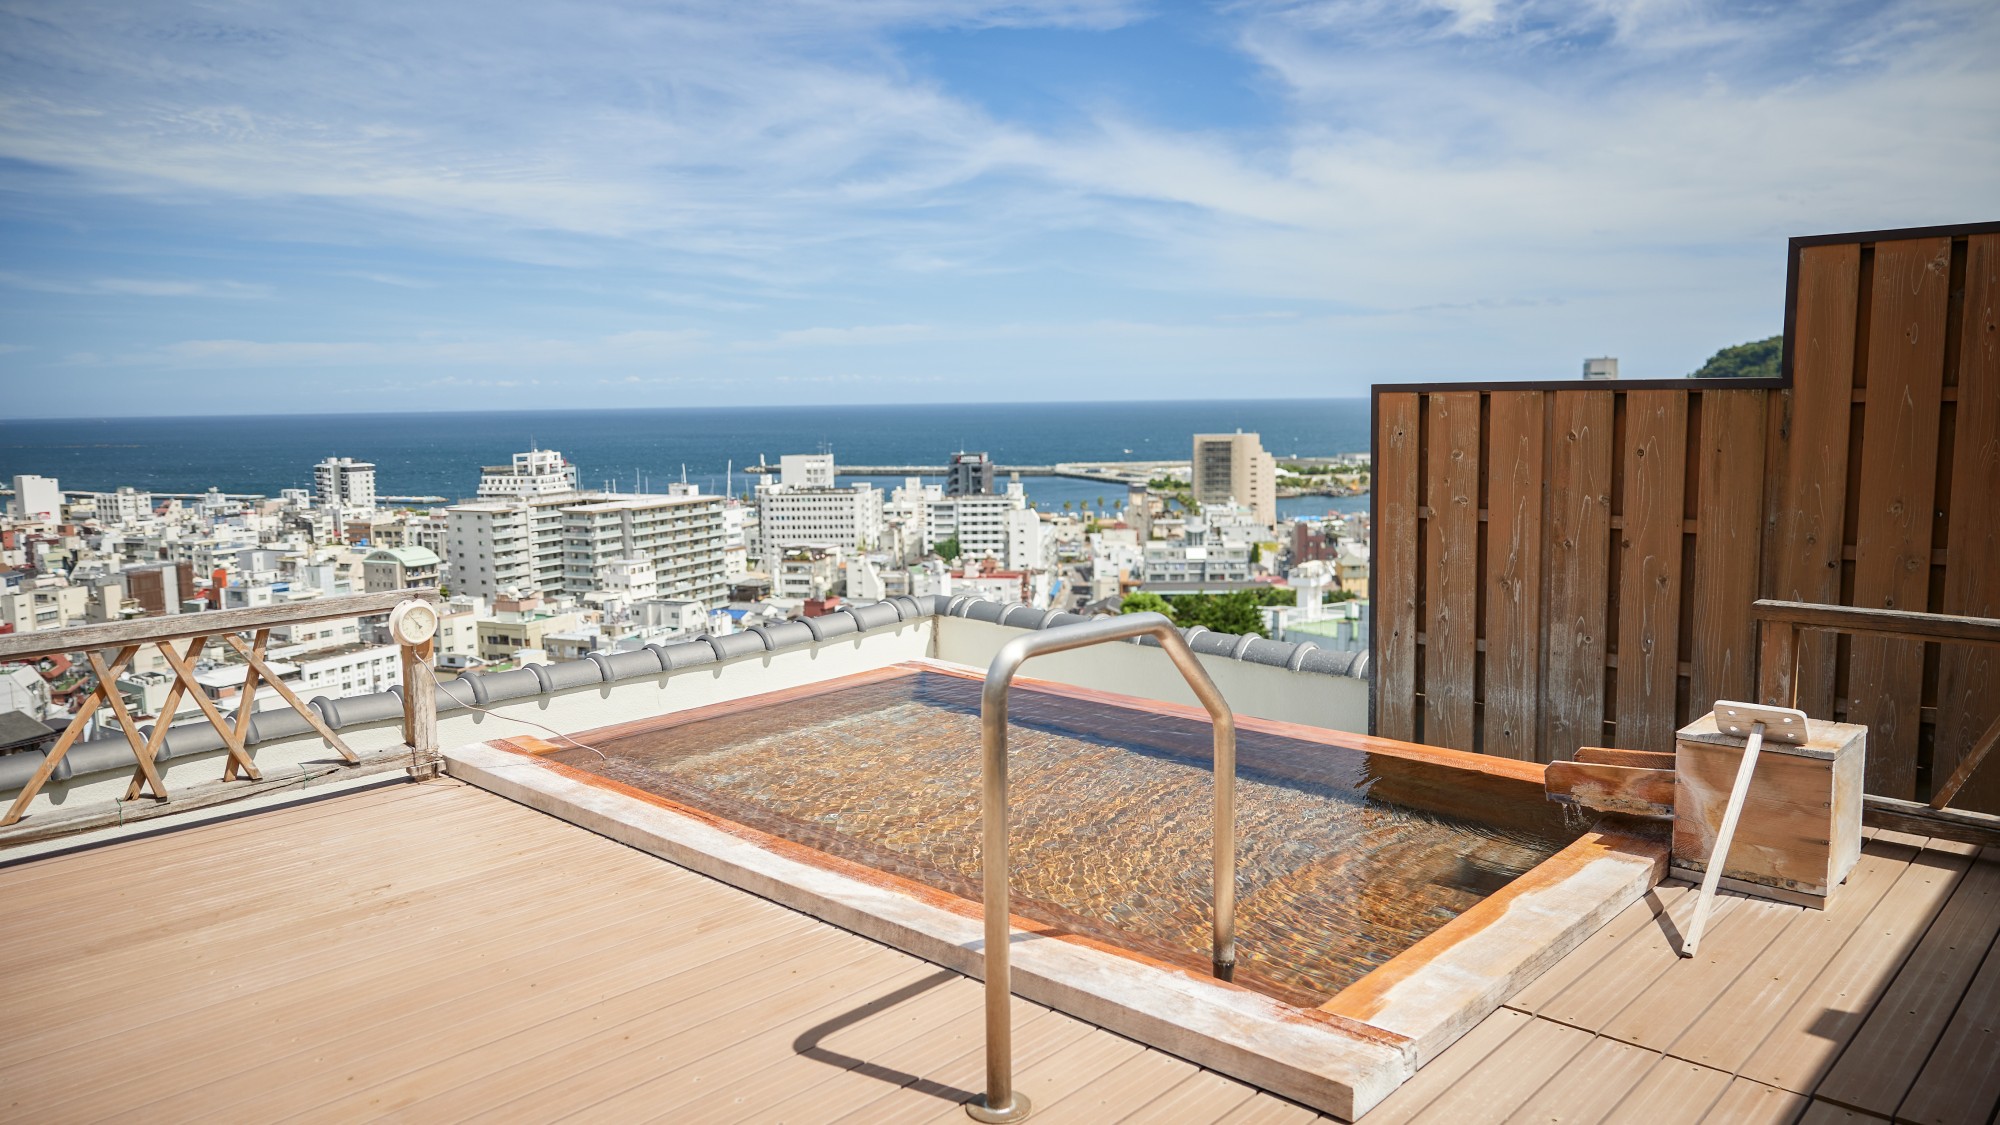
(232, 207)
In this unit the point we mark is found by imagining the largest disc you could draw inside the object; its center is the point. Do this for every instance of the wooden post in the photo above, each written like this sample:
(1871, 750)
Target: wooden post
(420, 709)
(1966, 765)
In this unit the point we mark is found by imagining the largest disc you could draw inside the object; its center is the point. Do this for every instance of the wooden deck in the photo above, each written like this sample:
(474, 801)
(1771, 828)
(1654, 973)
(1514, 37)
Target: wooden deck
(434, 952)
(1884, 1007)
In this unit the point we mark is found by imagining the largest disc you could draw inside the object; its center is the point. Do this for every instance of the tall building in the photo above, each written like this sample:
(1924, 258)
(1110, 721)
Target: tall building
(1000, 527)
(347, 484)
(791, 516)
(1603, 367)
(125, 506)
(538, 472)
(577, 542)
(1234, 469)
(37, 498)
(806, 470)
(970, 474)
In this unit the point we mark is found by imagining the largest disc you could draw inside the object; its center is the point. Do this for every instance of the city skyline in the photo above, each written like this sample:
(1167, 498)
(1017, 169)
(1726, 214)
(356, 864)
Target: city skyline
(253, 211)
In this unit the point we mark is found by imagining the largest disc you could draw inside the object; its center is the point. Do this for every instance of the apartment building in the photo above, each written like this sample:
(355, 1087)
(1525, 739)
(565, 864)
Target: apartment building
(791, 516)
(583, 541)
(999, 527)
(1233, 468)
(538, 472)
(398, 568)
(344, 483)
(36, 499)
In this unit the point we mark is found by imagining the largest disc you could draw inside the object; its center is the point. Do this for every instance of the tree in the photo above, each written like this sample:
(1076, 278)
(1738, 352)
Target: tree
(1067, 505)
(1140, 601)
(947, 549)
(1757, 359)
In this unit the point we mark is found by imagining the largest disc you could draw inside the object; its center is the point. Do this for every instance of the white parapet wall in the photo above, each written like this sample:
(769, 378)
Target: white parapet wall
(1314, 699)
(1334, 702)
(569, 711)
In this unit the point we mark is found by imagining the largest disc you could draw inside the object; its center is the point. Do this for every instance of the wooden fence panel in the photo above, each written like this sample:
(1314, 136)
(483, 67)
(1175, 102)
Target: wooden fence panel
(1649, 568)
(1872, 478)
(1897, 481)
(1728, 521)
(1451, 571)
(1394, 570)
(1812, 498)
(1578, 545)
(1513, 575)
(1968, 695)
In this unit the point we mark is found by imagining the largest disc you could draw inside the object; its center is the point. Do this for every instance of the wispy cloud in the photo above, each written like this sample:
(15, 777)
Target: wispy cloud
(1472, 186)
(137, 287)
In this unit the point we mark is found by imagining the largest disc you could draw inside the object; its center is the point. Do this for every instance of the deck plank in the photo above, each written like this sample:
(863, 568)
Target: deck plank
(1122, 1092)
(1600, 994)
(1632, 923)
(1589, 1086)
(1961, 1080)
(902, 1066)
(1747, 1102)
(1691, 986)
(526, 969)
(1883, 1059)
(1726, 1036)
(1448, 1069)
(963, 1075)
(1803, 1046)
(1513, 1073)
(1206, 1096)
(1673, 1092)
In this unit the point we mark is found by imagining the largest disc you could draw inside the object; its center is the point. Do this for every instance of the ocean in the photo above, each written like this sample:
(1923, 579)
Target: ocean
(439, 454)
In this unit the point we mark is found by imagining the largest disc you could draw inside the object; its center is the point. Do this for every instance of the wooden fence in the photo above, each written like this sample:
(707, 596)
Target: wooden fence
(1568, 564)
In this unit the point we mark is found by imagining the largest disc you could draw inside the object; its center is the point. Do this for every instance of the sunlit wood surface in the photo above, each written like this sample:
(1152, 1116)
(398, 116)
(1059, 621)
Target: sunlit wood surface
(437, 953)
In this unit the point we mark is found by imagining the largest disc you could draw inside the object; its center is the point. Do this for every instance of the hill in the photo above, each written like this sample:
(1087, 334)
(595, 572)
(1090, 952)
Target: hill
(1757, 359)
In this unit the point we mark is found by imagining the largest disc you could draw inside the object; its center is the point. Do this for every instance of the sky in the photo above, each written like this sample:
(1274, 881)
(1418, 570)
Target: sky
(215, 206)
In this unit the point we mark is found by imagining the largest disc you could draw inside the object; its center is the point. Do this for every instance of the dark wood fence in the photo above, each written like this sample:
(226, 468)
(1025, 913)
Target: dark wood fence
(1569, 564)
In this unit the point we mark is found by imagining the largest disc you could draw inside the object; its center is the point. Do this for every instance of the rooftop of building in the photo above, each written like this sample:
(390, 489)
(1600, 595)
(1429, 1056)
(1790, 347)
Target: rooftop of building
(405, 556)
(434, 949)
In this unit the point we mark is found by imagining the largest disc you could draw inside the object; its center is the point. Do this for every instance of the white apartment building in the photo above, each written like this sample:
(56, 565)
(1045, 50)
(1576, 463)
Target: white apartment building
(124, 507)
(993, 526)
(586, 541)
(791, 516)
(36, 499)
(806, 470)
(538, 472)
(42, 604)
(907, 519)
(1199, 556)
(629, 580)
(357, 669)
(344, 483)
(1233, 468)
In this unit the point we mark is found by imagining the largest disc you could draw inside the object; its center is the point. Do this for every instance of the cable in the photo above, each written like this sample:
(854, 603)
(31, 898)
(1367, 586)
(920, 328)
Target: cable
(439, 685)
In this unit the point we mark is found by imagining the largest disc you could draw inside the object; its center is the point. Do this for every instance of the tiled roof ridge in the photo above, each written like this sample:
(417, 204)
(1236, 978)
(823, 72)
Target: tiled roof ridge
(114, 754)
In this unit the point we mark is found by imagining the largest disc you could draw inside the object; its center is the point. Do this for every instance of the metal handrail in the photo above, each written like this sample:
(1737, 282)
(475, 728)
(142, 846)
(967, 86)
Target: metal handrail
(1002, 1102)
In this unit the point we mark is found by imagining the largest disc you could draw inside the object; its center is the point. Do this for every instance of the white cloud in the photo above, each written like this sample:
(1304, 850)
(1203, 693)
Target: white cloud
(1459, 184)
(137, 287)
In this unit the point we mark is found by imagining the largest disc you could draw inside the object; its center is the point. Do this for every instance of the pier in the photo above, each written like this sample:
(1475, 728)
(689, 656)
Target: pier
(1104, 472)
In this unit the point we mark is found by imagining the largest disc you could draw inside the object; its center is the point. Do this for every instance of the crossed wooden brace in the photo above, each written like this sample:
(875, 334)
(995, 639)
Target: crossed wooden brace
(145, 750)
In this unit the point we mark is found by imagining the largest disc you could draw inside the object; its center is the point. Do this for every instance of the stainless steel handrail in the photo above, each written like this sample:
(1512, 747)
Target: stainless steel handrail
(1002, 1102)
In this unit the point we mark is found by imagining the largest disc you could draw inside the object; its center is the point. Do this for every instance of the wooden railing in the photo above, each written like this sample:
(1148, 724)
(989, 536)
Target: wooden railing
(1572, 564)
(1789, 620)
(124, 639)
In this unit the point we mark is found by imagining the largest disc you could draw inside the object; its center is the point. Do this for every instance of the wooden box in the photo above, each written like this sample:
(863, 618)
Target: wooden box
(1800, 832)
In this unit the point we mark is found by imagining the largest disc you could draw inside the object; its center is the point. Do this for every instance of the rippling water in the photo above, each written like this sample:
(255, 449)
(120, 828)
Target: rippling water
(1111, 816)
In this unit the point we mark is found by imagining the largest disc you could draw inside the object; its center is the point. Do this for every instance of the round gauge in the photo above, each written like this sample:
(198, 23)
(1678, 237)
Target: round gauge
(413, 622)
